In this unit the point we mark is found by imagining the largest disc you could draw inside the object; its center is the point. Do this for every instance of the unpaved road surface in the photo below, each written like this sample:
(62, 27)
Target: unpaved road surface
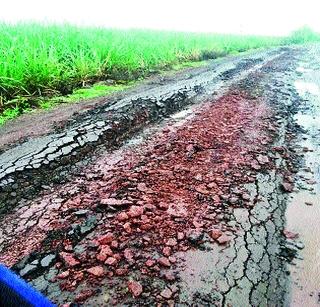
(200, 189)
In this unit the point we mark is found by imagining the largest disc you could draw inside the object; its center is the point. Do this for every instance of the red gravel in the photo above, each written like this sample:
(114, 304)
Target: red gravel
(135, 288)
(170, 192)
(68, 259)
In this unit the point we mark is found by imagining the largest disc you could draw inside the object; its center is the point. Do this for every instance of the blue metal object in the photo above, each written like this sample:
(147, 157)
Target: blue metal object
(14, 292)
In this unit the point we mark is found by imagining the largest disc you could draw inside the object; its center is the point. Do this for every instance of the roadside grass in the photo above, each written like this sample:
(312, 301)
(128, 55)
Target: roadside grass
(47, 103)
(94, 91)
(42, 64)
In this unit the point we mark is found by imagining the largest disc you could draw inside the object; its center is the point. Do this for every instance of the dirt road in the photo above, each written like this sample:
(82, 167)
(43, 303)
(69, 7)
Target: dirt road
(198, 189)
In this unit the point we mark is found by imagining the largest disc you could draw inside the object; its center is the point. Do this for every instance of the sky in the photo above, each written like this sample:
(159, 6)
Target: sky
(265, 17)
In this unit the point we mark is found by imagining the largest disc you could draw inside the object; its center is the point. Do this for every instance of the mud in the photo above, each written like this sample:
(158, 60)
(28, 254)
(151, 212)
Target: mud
(192, 210)
(39, 161)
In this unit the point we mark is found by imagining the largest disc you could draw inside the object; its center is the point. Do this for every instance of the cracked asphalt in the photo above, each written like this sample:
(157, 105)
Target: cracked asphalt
(180, 195)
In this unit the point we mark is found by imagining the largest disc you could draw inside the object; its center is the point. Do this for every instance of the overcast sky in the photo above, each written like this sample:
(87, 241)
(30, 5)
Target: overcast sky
(274, 17)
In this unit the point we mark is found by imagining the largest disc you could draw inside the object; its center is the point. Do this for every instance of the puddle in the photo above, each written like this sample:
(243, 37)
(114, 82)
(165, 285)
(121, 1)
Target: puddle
(308, 121)
(303, 211)
(182, 114)
(302, 69)
(306, 87)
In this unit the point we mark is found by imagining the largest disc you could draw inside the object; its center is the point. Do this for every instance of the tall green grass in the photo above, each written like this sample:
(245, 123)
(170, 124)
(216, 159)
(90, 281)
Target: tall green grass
(39, 60)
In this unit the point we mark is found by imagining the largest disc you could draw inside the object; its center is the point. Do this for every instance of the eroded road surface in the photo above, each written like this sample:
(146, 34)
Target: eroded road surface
(199, 189)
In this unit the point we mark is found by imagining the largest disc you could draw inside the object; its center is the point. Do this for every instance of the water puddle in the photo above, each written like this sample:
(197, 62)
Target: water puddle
(303, 88)
(303, 212)
(301, 68)
(181, 117)
(182, 114)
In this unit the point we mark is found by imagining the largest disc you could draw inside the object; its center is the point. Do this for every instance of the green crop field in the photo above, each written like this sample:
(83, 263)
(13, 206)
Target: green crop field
(40, 60)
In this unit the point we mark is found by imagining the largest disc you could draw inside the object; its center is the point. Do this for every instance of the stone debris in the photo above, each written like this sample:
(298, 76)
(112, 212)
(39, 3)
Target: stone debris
(135, 288)
(122, 216)
(215, 234)
(135, 211)
(96, 271)
(172, 242)
(166, 293)
(47, 260)
(68, 259)
(28, 269)
(195, 235)
(223, 239)
(63, 275)
(290, 235)
(164, 261)
(111, 261)
(287, 187)
(106, 239)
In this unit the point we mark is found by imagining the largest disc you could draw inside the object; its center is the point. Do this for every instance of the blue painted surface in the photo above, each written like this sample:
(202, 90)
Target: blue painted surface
(15, 292)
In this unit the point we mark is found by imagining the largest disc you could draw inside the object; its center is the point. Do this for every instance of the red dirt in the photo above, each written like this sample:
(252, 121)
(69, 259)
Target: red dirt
(171, 191)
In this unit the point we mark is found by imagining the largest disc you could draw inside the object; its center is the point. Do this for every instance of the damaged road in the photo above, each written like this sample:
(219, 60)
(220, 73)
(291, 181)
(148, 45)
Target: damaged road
(176, 197)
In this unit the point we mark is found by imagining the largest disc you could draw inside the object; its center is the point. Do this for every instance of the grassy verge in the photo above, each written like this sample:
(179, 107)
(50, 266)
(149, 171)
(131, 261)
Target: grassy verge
(54, 60)
(46, 103)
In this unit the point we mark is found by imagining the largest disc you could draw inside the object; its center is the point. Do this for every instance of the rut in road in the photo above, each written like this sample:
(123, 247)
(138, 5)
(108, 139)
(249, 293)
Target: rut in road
(191, 211)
